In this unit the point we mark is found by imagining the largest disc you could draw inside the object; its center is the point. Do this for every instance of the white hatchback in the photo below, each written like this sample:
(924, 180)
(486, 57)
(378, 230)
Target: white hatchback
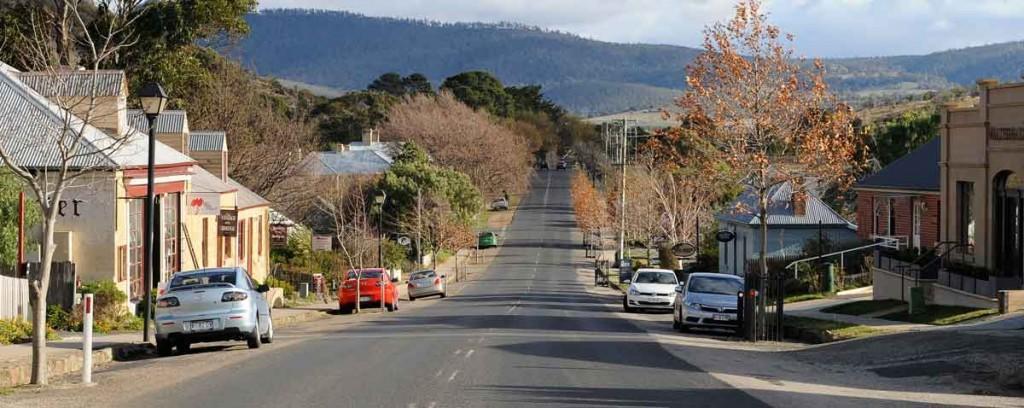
(651, 289)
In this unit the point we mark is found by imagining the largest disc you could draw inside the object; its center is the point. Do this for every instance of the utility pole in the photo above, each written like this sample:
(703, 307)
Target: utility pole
(622, 193)
(20, 271)
(419, 227)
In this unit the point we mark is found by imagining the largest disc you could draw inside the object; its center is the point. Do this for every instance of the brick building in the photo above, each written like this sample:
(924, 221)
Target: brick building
(903, 200)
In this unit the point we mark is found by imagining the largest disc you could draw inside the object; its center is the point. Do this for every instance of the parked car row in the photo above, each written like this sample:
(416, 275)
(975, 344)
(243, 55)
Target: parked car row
(224, 304)
(700, 300)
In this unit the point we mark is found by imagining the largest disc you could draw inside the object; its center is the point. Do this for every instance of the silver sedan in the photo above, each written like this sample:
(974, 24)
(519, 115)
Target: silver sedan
(427, 283)
(212, 305)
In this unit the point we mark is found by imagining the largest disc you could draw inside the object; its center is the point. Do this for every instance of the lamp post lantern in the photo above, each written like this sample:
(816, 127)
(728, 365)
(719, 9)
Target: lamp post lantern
(153, 100)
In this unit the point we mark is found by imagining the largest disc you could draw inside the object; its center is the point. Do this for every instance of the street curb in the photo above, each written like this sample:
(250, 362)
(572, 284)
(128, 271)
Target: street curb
(64, 363)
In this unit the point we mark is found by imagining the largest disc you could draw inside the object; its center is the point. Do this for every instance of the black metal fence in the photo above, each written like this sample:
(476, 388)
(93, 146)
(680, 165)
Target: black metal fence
(768, 295)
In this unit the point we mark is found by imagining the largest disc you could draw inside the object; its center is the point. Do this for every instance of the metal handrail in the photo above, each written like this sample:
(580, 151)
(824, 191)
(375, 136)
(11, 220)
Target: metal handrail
(886, 242)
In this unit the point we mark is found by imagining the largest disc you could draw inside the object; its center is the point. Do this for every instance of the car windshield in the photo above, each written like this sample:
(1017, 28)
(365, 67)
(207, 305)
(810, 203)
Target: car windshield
(367, 274)
(717, 286)
(422, 275)
(202, 278)
(656, 277)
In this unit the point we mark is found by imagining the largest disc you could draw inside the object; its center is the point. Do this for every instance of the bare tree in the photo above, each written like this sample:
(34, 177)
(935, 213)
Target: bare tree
(456, 136)
(267, 146)
(70, 148)
(341, 199)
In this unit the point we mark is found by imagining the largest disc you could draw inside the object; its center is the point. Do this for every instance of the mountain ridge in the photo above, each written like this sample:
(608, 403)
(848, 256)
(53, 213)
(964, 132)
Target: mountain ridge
(346, 51)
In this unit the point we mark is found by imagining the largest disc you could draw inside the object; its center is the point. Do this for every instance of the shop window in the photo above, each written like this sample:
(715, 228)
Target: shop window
(172, 262)
(205, 245)
(135, 246)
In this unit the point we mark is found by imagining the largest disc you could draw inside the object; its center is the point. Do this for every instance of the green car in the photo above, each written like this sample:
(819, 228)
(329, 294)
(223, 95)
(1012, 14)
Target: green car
(487, 240)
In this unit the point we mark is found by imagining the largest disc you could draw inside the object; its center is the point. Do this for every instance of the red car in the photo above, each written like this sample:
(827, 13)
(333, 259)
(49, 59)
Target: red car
(371, 282)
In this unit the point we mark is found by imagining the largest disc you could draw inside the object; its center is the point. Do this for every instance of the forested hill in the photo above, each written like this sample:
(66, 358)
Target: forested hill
(347, 51)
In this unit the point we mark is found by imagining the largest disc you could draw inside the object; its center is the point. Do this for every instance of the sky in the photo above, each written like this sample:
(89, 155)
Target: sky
(822, 28)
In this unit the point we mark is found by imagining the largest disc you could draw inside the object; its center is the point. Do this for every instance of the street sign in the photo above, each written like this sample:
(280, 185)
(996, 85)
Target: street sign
(227, 223)
(278, 236)
(725, 236)
(322, 243)
(404, 241)
(684, 250)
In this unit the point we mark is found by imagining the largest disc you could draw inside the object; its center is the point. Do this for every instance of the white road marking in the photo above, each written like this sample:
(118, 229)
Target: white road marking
(459, 351)
(438, 374)
(469, 353)
(452, 377)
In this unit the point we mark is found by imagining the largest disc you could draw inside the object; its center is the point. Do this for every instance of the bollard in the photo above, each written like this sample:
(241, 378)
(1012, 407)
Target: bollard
(87, 311)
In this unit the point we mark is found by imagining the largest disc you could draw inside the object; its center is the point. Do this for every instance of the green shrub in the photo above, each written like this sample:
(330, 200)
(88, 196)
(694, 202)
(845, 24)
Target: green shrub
(20, 331)
(110, 311)
(289, 289)
(60, 319)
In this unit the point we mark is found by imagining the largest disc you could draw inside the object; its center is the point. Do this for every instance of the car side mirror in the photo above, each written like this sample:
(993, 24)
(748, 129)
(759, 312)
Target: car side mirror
(679, 289)
(264, 288)
(627, 281)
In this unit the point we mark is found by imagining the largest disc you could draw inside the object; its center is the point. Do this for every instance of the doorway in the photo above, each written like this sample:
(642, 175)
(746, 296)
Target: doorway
(1008, 225)
(918, 211)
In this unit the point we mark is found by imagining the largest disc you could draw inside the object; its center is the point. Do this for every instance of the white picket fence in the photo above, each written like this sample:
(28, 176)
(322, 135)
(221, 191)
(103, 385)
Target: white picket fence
(13, 298)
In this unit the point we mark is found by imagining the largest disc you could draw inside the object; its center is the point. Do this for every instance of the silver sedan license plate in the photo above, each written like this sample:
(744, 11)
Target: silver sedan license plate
(200, 325)
(721, 317)
(364, 299)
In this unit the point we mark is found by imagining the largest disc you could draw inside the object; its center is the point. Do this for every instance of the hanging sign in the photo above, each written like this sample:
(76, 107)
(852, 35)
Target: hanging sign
(227, 223)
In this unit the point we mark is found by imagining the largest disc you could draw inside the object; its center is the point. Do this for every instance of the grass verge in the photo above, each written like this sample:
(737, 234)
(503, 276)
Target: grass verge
(940, 315)
(823, 331)
(801, 297)
(863, 307)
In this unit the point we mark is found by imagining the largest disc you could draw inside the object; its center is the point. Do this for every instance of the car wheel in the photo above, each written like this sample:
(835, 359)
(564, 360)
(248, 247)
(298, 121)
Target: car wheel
(412, 299)
(675, 321)
(625, 305)
(683, 328)
(392, 307)
(164, 347)
(253, 339)
(184, 346)
(269, 337)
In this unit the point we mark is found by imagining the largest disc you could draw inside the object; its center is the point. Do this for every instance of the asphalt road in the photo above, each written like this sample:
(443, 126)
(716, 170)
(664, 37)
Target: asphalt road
(525, 332)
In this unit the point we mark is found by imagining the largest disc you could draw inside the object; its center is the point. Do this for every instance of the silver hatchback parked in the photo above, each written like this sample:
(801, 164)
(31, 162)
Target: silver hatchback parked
(214, 304)
(427, 283)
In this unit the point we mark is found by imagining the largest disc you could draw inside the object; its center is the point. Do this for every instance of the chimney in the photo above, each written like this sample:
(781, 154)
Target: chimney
(799, 199)
(71, 89)
(371, 136)
(211, 152)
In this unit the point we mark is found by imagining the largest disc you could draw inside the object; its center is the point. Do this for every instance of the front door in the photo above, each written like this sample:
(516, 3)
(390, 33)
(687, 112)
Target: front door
(916, 234)
(1009, 226)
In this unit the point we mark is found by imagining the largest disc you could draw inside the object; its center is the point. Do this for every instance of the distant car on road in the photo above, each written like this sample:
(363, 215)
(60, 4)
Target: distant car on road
(650, 289)
(214, 304)
(370, 282)
(499, 204)
(562, 165)
(427, 283)
(707, 300)
(487, 240)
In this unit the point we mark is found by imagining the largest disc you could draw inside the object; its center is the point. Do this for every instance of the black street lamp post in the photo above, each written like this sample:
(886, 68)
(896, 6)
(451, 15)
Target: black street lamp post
(154, 100)
(379, 199)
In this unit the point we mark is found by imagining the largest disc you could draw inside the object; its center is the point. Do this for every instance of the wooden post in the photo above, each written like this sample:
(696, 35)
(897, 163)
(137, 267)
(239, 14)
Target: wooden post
(20, 268)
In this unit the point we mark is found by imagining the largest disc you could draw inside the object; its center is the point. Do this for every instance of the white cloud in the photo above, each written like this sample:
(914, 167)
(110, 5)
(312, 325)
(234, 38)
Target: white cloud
(822, 27)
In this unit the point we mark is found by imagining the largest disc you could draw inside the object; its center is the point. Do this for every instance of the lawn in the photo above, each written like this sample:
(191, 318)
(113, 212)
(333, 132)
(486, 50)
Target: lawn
(800, 297)
(829, 330)
(863, 307)
(939, 315)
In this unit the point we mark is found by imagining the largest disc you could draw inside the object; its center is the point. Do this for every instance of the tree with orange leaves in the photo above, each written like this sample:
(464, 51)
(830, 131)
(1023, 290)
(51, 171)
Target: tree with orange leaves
(766, 115)
(591, 213)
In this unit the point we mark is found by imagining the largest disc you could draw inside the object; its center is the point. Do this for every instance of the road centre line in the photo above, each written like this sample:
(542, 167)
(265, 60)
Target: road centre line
(469, 353)
(452, 377)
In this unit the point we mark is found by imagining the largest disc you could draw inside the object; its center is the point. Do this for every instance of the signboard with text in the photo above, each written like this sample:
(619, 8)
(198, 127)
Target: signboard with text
(322, 243)
(278, 235)
(227, 223)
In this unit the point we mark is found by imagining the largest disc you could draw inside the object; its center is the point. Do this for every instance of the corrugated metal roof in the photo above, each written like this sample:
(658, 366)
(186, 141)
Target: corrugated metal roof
(347, 162)
(76, 83)
(207, 141)
(918, 170)
(31, 125)
(780, 210)
(247, 198)
(170, 121)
